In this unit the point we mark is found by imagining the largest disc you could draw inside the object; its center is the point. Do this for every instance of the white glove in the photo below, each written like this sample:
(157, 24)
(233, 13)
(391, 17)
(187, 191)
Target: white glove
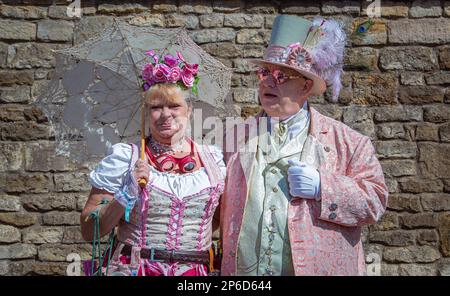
(304, 180)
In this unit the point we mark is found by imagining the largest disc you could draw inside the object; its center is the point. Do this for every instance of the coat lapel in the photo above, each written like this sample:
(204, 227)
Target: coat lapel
(315, 151)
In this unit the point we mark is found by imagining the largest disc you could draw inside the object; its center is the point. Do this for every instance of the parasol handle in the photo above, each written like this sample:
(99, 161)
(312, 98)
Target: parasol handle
(142, 182)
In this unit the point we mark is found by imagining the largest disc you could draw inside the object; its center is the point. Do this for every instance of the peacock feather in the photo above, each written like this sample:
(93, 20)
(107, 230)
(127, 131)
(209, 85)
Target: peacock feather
(364, 27)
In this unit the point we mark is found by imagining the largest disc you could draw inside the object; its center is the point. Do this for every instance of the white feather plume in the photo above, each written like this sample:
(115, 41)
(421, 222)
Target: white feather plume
(328, 53)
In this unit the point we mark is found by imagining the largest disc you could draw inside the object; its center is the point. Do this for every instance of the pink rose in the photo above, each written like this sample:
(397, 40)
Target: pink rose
(187, 77)
(155, 59)
(175, 74)
(193, 68)
(150, 53)
(147, 72)
(160, 73)
(180, 56)
(170, 60)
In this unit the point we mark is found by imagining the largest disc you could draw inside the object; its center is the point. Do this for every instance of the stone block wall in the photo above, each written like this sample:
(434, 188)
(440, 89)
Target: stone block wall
(396, 91)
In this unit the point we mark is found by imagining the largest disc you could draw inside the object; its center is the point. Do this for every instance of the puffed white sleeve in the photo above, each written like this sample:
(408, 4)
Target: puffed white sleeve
(218, 157)
(111, 171)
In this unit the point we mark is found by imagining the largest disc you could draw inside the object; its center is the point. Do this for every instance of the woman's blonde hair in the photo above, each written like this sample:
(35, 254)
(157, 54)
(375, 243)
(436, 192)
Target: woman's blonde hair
(169, 91)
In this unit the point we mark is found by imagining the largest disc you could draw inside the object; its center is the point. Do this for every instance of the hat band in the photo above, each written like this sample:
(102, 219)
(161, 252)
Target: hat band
(294, 55)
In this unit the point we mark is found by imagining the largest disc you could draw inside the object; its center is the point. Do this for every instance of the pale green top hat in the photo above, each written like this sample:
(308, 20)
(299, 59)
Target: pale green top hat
(315, 49)
(288, 29)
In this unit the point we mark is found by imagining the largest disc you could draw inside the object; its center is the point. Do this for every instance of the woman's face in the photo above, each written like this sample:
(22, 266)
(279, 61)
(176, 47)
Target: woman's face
(168, 117)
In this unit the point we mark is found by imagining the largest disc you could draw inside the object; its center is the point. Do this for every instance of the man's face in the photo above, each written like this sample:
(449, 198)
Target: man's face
(286, 98)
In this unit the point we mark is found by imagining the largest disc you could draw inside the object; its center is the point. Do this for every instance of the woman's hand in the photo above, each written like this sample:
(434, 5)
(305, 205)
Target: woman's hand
(142, 170)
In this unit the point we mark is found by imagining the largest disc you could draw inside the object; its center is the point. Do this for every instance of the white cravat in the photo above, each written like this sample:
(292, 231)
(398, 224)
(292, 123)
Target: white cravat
(292, 129)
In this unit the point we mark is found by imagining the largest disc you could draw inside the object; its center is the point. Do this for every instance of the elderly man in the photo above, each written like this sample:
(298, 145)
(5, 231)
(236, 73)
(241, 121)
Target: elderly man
(299, 185)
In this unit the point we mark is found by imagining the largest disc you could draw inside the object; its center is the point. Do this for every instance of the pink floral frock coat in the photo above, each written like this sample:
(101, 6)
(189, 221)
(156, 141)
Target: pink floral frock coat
(325, 236)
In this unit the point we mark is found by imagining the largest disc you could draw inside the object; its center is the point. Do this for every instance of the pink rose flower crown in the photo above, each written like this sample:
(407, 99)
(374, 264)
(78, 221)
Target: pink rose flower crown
(170, 69)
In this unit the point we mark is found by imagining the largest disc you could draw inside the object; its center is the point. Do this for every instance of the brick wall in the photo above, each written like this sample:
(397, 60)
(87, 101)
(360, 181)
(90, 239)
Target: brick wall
(395, 91)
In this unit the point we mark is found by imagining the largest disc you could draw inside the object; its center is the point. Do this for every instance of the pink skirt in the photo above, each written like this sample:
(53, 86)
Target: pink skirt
(152, 268)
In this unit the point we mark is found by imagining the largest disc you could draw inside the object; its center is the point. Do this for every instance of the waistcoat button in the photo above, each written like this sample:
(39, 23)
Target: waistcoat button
(333, 207)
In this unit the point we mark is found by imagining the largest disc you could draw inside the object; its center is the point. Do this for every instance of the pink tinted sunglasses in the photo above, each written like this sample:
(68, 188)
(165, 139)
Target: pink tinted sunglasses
(278, 75)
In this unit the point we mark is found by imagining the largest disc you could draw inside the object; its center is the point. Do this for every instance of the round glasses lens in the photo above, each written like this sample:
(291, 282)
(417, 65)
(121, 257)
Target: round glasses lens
(279, 76)
(189, 166)
(167, 166)
(263, 73)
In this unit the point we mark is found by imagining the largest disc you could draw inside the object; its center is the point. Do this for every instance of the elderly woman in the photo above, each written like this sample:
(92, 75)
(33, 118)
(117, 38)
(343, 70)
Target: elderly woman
(164, 228)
